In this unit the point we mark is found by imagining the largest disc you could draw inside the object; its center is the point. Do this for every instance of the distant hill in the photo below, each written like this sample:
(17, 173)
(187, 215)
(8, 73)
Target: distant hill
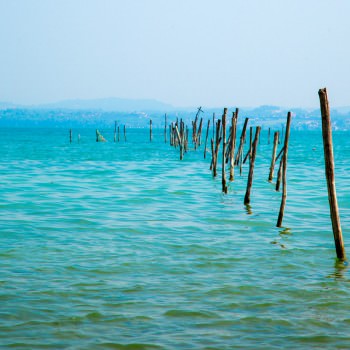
(137, 113)
(109, 105)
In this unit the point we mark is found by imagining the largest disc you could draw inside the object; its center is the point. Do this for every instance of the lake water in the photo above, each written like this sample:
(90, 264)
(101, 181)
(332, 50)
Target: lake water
(123, 246)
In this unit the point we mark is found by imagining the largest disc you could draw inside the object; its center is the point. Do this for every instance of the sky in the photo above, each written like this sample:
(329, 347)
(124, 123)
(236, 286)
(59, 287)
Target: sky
(215, 53)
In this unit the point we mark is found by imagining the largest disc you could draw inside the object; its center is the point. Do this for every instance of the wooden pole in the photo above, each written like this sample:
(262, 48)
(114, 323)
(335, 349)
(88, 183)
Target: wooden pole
(279, 174)
(268, 137)
(199, 134)
(206, 139)
(171, 134)
(273, 158)
(181, 141)
(329, 170)
(70, 135)
(251, 166)
(284, 171)
(241, 142)
(212, 154)
(213, 125)
(233, 144)
(249, 153)
(150, 130)
(224, 186)
(217, 146)
(115, 131)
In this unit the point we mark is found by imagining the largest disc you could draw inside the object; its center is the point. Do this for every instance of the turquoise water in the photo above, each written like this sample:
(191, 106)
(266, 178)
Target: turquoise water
(124, 246)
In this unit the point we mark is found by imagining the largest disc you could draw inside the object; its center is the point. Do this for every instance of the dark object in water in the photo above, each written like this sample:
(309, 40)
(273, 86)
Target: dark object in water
(99, 137)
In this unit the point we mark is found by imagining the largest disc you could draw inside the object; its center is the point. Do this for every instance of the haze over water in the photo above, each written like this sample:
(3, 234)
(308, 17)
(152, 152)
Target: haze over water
(123, 246)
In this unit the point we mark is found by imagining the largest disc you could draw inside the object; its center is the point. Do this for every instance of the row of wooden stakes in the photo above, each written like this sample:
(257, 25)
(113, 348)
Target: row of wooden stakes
(179, 134)
(179, 137)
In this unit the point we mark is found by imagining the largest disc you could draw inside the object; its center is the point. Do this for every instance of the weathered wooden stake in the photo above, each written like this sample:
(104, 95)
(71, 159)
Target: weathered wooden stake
(233, 144)
(251, 166)
(213, 125)
(70, 135)
(181, 141)
(284, 172)
(199, 134)
(279, 174)
(171, 134)
(273, 159)
(217, 147)
(150, 130)
(249, 153)
(241, 142)
(329, 170)
(224, 186)
(206, 139)
(280, 152)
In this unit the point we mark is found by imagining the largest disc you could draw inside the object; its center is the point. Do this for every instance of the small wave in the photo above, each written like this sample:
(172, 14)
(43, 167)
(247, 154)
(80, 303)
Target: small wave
(189, 313)
(130, 346)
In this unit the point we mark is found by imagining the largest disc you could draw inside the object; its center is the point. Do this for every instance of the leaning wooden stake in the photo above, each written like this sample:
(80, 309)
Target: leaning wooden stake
(284, 171)
(251, 166)
(224, 186)
(329, 169)
(279, 175)
(249, 153)
(273, 159)
(241, 142)
(206, 139)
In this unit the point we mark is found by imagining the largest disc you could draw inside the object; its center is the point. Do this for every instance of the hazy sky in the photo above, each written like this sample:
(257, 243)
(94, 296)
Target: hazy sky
(183, 52)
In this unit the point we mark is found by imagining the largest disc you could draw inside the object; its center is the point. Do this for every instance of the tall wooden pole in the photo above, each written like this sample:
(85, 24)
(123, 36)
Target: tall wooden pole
(213, 125)
(165, 129)
(233, 144)
(224, 186)
(284, 171)
(329, 170)
(251, 166)
(70, 135)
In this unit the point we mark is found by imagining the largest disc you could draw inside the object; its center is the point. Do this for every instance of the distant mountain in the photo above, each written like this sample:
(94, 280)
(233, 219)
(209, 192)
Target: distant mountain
(110, 104)
(8, 105)
(137, 113)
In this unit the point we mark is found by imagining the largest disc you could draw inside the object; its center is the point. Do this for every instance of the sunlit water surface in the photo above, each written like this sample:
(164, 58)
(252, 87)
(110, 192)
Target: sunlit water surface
(121, 245)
